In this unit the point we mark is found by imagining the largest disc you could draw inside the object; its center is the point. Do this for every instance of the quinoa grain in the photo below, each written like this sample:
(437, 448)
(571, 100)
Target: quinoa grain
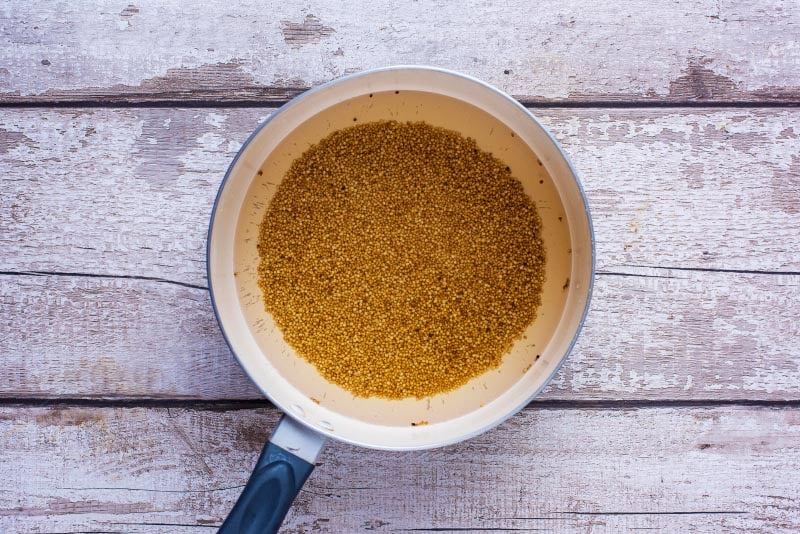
(400, 259)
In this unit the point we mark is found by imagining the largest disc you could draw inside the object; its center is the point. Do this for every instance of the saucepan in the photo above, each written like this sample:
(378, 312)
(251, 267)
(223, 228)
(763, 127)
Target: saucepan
(316, 410)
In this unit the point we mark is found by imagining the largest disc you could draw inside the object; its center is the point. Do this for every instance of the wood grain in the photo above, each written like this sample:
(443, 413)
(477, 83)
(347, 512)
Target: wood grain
(696, 214)
(560, 51)
(68, 469)
(651, 335)
(103, 216)
(129, 192)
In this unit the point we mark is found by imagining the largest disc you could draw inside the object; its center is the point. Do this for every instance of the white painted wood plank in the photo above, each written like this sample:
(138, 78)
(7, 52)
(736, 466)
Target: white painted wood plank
(112, 338)
(575, 50)
(175, 470)
(677, 335)
(130, 191)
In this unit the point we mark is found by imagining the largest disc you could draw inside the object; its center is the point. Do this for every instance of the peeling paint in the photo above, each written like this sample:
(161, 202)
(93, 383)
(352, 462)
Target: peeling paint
(310, 30)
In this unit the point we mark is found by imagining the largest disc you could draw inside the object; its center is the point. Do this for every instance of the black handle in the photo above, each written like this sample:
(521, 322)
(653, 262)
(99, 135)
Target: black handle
(271, 489)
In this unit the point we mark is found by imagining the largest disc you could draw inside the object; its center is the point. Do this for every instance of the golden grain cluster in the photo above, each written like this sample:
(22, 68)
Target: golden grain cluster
(400, 259)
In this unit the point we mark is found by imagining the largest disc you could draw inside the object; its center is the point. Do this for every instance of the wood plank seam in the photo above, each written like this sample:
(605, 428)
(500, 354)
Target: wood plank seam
(276, 104)
(228, 405)
(598, 273)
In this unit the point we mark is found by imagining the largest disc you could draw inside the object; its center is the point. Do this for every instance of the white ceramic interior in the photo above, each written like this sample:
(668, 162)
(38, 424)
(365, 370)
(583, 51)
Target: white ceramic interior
(442, 98)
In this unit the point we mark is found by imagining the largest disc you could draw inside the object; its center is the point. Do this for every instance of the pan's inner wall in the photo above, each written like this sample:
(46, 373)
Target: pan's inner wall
(528, 357)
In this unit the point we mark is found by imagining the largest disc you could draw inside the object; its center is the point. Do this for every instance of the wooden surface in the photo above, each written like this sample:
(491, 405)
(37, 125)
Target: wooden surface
(180, 470)
(722, 203)
(560, 51)
(121, 408)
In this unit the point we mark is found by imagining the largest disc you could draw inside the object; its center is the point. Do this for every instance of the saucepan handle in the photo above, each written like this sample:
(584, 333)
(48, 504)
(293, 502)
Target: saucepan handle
(283, 467)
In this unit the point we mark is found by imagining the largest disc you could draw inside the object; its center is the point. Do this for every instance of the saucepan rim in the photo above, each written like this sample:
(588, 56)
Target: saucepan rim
(400, 68)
